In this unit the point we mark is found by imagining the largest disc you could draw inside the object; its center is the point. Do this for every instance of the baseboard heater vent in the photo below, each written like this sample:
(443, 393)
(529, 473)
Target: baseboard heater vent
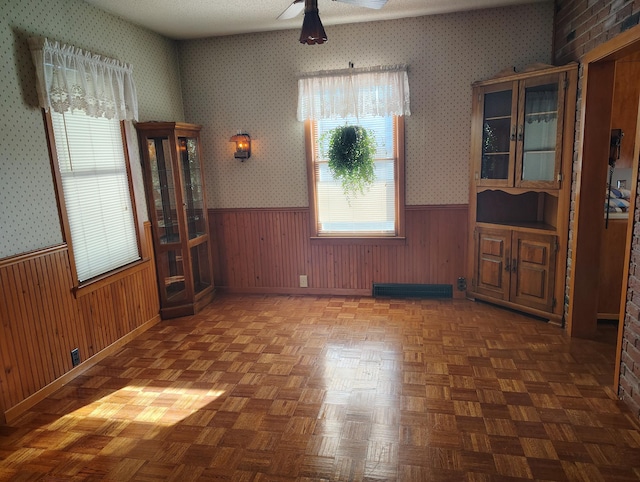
(399, 290)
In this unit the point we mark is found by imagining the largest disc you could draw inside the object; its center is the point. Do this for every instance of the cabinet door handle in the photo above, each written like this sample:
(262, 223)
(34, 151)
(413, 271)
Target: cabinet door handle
(513, 132)
(520, 132)
(507, 265)
(514, 265)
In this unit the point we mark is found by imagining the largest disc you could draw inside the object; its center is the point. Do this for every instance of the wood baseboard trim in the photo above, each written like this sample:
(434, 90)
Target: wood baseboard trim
(17, 410)
(294, 291)
(308, 291)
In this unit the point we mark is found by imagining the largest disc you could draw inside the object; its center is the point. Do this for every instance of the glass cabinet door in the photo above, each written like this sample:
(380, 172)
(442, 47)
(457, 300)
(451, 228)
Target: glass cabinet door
(192, 186)
(171, 272)
(165, 219)
(538, 132)
(200, 267)
(498, 134)
(164, 190)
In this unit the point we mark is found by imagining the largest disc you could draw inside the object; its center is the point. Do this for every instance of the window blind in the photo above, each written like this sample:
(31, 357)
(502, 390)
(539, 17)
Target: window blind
(96, 192)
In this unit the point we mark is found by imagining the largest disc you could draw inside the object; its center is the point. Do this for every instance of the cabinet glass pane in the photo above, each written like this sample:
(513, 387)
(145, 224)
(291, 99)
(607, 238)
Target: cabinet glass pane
(495, 136)
(171, 271)
(193, 199)
(164, 192)
(540, 131)
(200, 267)
(496, 130)
(538, 166)
(497, 104)
(495, 166)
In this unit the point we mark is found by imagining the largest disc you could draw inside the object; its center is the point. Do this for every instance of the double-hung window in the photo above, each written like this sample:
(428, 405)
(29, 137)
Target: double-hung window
(378, 210)
(92, 168)
(377, 100)
(86, 99)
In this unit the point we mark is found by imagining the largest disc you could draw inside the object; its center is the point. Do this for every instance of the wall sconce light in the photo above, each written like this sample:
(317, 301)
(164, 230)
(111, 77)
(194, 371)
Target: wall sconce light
(243, 146)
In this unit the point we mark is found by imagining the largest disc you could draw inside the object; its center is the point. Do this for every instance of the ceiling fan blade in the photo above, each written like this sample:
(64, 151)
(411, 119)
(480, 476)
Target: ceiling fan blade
(292, 10)
(377, 4)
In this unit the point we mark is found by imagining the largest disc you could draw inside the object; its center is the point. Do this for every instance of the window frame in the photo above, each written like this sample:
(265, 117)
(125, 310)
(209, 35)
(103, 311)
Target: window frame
(310, 129)
(62, 209)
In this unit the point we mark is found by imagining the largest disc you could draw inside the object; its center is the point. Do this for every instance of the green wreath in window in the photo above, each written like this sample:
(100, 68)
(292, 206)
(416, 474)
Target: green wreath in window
(351, 152)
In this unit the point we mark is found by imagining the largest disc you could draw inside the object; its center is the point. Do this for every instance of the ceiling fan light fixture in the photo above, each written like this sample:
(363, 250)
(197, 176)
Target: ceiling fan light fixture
(312, 30)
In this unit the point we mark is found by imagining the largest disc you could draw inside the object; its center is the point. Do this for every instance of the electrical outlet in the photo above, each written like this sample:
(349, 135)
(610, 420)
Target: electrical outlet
(462, 284)
(304, 283)
(75, 357)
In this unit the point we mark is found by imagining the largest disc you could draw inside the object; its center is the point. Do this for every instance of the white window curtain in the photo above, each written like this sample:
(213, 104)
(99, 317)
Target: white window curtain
(71, 79)
(541, 106)
(373, 91)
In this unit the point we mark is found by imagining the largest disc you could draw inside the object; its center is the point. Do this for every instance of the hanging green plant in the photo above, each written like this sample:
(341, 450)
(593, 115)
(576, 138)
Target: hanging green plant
(350, 155)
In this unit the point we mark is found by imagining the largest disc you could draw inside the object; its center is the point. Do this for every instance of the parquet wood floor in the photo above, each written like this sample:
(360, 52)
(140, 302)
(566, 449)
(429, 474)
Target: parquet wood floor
(278, 388)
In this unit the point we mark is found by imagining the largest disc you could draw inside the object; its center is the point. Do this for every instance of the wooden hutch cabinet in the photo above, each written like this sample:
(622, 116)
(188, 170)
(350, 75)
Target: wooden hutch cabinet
(520, 185)
(174, 185)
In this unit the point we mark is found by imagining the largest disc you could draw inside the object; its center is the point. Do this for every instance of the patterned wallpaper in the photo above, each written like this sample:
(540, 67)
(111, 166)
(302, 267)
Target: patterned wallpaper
(28, 213)
(249, 83)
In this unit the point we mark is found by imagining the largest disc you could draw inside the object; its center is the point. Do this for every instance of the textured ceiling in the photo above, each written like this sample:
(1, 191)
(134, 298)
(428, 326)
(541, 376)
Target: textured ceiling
(187, 19)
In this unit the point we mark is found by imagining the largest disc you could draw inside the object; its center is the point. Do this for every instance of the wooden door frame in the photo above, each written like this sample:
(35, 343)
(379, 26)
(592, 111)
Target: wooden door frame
(590, 170)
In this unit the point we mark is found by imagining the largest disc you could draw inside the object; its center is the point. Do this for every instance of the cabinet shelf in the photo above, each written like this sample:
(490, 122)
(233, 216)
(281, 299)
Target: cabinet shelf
(169, 238)
(519, 208)
(524, 226)
(498, 117)
(196, 235)
(167, 225)
(173, 279)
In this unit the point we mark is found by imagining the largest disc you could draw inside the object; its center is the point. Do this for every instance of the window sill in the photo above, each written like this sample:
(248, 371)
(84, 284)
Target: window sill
(358, 241)
(88, 287)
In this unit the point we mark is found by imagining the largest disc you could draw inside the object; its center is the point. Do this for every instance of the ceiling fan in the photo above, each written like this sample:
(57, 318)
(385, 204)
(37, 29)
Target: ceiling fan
(312, 29)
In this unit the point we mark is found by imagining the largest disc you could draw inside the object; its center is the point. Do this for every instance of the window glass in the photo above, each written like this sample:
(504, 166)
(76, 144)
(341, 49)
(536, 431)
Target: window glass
(373, 213)
(95, 184)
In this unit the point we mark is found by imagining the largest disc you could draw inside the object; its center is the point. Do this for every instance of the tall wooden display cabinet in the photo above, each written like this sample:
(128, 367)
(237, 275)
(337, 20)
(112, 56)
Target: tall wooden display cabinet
(174, 185)
(521, 158)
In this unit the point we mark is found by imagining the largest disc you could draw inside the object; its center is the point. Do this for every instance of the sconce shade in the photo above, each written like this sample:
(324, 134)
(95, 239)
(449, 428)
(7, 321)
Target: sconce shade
(312, 29)
(243, 146)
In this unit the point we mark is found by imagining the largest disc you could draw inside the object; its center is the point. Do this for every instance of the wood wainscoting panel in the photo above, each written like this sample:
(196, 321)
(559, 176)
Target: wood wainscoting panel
(38, 317)
(42, 319)
(266, 251)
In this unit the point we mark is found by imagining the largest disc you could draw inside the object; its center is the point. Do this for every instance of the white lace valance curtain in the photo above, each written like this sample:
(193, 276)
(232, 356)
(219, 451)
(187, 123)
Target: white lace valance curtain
(68, 78)
(375, 91)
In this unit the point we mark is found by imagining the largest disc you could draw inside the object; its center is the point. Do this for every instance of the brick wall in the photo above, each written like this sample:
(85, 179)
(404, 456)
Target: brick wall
(581, 25)
(630, 362)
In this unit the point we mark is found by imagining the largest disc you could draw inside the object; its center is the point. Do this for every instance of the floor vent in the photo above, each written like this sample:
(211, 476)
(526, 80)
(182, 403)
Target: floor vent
(397, 290)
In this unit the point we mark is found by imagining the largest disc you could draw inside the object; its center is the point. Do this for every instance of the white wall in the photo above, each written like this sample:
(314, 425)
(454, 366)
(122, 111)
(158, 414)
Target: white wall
(249, 82)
